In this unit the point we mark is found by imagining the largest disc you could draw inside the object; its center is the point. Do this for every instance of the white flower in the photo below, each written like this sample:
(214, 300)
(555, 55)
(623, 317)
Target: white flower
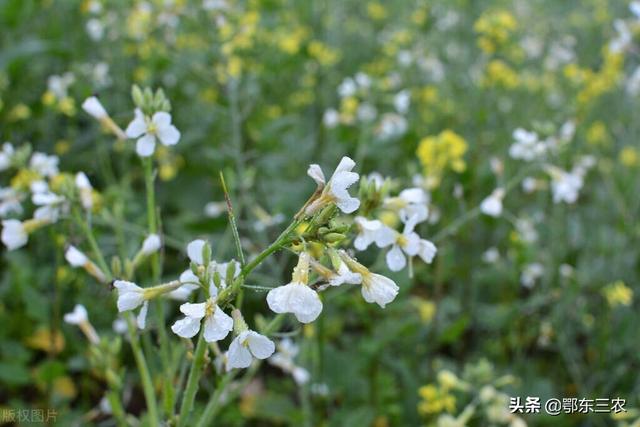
(379, 289)
(491, 255)
(13, 234)
(565, 186)
(217, 324)
(331, 118)
(366, 112)
(94, 108)
(527, 146)
(10, 201)
(6, 156)
(194, 251)
(59, 85)
(492, 204)
(215, 209)
(344, 275)
(335, 191)
(189, 283)
(530, 274)
(283, 359)
(44, 165)
(623, 38)
(368, 232)
(340, 276)
(347, 88)
(375, 287)
(50, 205)
(363, 80)
(130, 295)
(119, 326)
(95, 29)
(151, 244)
(409, 203)
(391, 125)
(401, 101)
(84, 187)
(296, 297)
(75, 257)
(80, 318)
(634, 7)
(77, 316)
(245, 346)
(408, 242)
(148, 130)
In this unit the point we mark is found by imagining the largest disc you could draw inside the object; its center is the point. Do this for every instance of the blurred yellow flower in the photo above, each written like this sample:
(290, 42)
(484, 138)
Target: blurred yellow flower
(440, 152)
(629, 156)
(46, 340)
(376, 11)
(597, 134)
(498, 73)
(435, 400)
(617, 293)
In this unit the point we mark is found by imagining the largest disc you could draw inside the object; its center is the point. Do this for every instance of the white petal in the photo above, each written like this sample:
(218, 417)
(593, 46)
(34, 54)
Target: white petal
(346, 164)
(161, 118)
(151, 244)
(93, 107)
(412, 246)
(130, 295)
(13, 234)
(261, 347)
(187, 327)
(194, 251)
(379, 289)
(277, 298)
(77, 316)
(427, 251)
(348, 205)
(315, 172)
(343, 180)
(238, 355)
(137, 127)
(305, 303)
(395, 259)
(217, 326)
(75, 257)
(197, 311)
(385, 236)
(168, 135)
(142, 316)
(146, 145)
(82, 181)
(187, 276)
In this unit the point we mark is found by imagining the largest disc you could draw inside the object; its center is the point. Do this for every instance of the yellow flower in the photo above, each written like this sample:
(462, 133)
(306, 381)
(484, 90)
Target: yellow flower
(597, 134)
(376, 11)
(617, 293)
(23, 179)
(498, 73)
(440, 152)
(322, 53)
(19, 112)
(46, 340)
(629, 156)
(426, 309)
(494, 29)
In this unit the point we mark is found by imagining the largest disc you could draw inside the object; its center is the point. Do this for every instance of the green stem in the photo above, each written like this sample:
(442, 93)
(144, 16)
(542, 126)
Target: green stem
(214, 401)
(116, 408)
(152, 222)
(88, 232)
(143, 369)
(193, 380)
